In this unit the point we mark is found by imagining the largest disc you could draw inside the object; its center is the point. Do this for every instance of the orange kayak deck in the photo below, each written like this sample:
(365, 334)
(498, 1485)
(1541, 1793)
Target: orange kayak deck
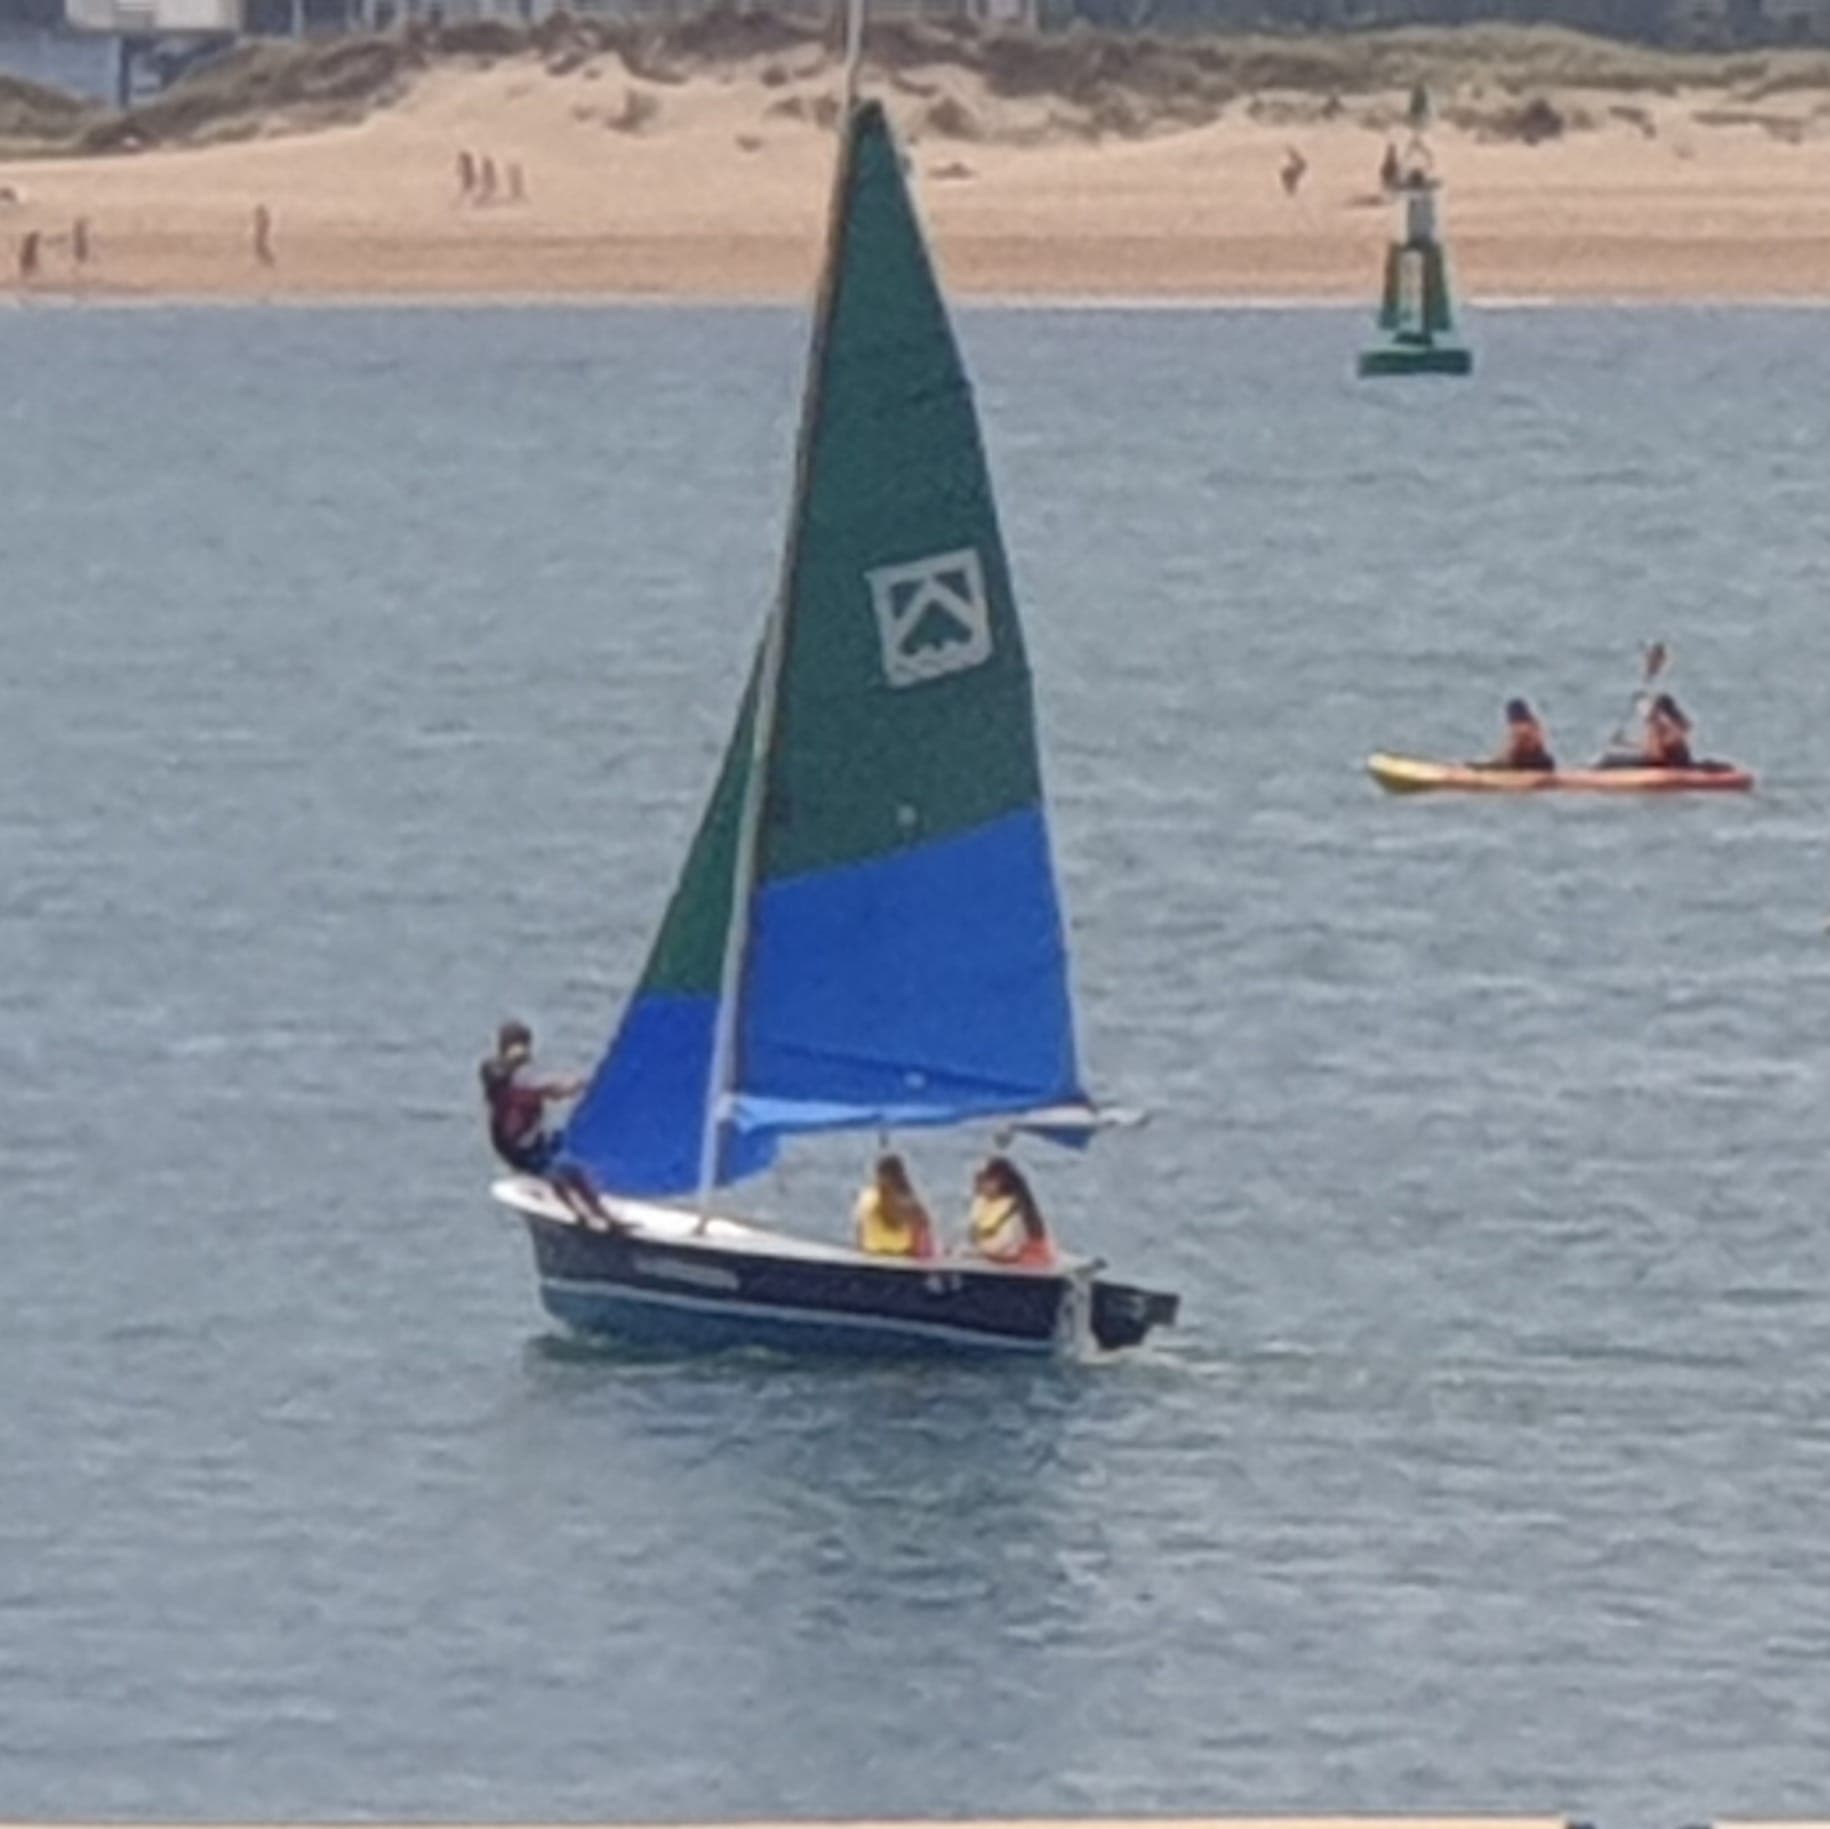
(1412, 775)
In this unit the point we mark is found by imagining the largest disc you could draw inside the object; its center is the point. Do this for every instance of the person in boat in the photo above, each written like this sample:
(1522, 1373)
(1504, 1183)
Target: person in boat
(518, 1102)
(1005, 1224)
(1666, 740)
(892, 1222)
(1526, 746)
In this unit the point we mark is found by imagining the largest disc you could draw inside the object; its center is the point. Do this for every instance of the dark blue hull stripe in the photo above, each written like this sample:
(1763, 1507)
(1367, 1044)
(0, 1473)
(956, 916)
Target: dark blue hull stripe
(673, 1318)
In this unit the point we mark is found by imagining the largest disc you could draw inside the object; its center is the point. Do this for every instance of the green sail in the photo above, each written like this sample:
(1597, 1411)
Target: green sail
(904, 710)
(688, 953)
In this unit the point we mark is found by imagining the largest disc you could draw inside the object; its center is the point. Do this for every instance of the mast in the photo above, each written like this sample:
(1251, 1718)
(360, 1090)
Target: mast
(737, 934)
(854, 51)
(769, 671)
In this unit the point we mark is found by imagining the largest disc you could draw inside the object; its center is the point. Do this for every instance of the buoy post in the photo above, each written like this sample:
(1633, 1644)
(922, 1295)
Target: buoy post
(1416, 311)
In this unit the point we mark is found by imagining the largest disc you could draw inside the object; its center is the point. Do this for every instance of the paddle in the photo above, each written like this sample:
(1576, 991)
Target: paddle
(1654, 664)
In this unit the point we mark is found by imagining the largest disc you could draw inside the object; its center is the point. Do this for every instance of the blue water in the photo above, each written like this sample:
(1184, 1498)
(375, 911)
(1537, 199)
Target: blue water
(363, 673)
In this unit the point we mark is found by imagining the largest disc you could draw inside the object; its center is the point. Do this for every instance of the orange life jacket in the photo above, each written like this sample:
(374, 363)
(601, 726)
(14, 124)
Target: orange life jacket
(1037, 1253)
(1527, 746)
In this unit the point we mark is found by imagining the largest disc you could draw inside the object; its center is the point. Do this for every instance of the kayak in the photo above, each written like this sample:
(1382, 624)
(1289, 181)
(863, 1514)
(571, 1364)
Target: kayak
(1411, 775)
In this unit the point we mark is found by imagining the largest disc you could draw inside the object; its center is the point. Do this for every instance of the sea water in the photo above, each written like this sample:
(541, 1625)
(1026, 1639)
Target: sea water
(363, 675)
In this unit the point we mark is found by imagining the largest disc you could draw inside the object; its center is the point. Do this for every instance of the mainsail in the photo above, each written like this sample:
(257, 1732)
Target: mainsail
(899, 956)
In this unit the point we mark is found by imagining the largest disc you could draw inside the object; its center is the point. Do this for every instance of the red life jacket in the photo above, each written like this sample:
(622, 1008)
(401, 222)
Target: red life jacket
(1667, 741)
(516, 1110)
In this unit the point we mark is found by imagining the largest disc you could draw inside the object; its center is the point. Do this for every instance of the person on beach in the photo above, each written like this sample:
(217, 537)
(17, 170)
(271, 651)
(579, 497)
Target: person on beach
(1391, 173)
(1294, 166)
(28, 257)
(79, 241)
(467, 175)
(486, 180)
(263, 234)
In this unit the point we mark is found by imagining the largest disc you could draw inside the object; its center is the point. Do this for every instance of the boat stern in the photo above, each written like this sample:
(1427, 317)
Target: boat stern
(1123, 1315)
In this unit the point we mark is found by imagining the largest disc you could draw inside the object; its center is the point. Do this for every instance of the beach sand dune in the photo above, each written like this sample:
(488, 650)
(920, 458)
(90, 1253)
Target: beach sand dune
(617, 173)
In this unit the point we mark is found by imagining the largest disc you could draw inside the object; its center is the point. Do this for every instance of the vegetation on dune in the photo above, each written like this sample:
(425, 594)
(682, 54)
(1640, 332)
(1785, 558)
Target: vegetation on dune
(309, 85)
(1494, 79)
(30, 111)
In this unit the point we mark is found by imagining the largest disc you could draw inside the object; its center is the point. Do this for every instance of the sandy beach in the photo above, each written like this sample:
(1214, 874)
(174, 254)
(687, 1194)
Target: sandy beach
(712, 186)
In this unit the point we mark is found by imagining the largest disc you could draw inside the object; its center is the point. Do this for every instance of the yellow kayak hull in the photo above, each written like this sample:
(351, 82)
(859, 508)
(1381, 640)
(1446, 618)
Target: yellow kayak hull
(1414, 775)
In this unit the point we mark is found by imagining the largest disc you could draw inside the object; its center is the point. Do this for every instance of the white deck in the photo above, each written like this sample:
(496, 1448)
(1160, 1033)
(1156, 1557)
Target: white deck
(680, 1226)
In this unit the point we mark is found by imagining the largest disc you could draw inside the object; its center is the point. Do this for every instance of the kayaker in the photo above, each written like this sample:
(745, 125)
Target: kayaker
(1006, 1225)
(1666, 739)
(892, 1222)
(1526, 746)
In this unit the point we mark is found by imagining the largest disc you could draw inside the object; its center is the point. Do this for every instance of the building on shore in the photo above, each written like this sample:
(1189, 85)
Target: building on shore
(38, 45)
(120, 50)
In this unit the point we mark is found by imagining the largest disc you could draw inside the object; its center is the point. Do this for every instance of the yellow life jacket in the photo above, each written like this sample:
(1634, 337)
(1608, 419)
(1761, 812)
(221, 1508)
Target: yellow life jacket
(996, 1227)
(892, 1227)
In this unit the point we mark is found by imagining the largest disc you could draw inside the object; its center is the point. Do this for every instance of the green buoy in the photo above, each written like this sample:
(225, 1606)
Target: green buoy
(1416, 316)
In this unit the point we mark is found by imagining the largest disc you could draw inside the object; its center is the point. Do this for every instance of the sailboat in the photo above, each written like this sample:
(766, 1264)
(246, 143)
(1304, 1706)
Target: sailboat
(866, 934)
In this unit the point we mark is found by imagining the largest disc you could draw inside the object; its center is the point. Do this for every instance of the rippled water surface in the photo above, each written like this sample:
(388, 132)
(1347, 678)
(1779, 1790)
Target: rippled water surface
(362, 676)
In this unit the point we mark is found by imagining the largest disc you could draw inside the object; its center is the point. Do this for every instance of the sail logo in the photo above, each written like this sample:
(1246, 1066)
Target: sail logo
(933, 616)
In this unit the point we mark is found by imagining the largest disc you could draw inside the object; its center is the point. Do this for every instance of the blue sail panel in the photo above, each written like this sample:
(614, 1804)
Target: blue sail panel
(925, 987)
(638, 1127)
